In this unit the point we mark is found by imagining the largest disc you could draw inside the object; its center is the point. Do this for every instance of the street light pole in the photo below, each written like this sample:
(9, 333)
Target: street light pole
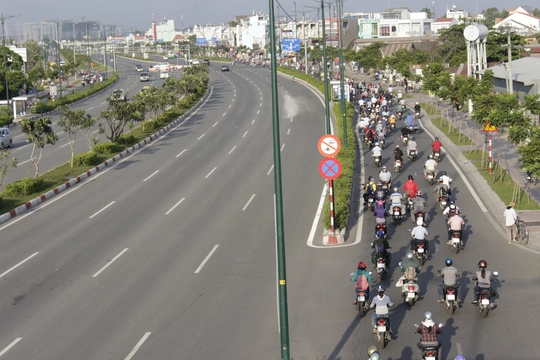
(341, 71)
(280, 236)
(4, 18)
(325, 66)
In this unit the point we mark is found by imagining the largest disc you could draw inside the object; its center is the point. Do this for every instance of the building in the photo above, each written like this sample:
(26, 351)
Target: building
(521, 22)
(255, 33)
(394, 23)
(163, 31)
(459, 15)
(525, 76)
(443, 23)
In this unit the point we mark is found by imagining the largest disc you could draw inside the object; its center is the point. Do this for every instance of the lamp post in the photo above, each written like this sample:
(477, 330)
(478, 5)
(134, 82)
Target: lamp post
(325, 65)
(280, 236)
(4, 18)
(341, 70)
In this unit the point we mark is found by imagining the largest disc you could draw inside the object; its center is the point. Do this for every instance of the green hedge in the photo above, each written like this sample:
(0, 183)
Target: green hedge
(87, 159)
(107, 148)
(24, 187)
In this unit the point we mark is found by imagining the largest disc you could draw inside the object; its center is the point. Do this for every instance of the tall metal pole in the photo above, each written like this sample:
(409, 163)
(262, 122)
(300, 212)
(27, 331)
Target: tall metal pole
(105, 51)
(58, 58)
(511, 80)
(305, 44)
(341, 70)
(280, 236)
(4, 18)
(325, 66)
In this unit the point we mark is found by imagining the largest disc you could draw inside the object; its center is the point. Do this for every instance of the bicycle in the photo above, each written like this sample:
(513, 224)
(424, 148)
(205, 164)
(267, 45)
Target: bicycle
(522, 233)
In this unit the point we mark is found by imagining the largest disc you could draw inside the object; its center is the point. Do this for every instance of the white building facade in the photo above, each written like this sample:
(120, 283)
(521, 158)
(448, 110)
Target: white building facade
(163, 31)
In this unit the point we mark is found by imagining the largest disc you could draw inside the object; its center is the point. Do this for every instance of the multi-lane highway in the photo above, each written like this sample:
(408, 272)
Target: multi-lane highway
(170, 253)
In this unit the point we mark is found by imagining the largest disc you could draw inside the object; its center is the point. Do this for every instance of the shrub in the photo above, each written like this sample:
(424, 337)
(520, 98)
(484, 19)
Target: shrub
(107, 148)
(127, 140)
(87, 159)
(25, 187)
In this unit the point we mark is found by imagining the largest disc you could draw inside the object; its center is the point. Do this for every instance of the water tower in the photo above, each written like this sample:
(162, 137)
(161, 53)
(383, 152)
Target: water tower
(476, 36)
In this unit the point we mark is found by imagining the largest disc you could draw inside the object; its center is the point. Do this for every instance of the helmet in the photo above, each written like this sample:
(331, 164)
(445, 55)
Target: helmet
(409, 255)
(459, 357)
(417, 103)
(482, 264)
(380, 203)
(379, 184)
(384, 167)
(427, 315)
(430, 156)
(410, 177)
(380, 234)
(371, 178)
(419, 192)
(444, 172)
(397, 146)
(396, 189)
(452, 207)
(380, 288)
(412, 137)
(436, 138)
(448, 262)
(372, 349)
(361, 265)
(452, 202)
(377, 143)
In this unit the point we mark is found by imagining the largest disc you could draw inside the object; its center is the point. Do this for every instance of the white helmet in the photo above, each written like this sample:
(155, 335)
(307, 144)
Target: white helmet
(428, 321)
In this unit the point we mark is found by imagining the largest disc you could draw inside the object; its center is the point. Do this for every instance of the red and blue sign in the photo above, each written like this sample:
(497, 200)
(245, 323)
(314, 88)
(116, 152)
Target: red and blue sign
(330, 168)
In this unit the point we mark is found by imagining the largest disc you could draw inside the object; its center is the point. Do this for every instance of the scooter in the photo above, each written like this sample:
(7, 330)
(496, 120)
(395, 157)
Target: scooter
(398, 167)
(484, 300)
(443, 201)
(412, 155)
(437, 156)
(430, 352)
(405, 139)
(431, 178)
(392, 127)
(455, 242)
(410, 291)
(450, 299)
(377, 160)
(420, 218)
(382, 333)
(421, 253)
(396, 215)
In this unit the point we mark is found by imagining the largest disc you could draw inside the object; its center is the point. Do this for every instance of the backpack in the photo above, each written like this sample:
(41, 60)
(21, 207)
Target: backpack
(379, 248)
(410, 273)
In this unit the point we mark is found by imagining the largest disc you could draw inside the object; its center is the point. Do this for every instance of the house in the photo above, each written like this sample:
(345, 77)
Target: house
(525, 76)
(521, 22)
(443, 23)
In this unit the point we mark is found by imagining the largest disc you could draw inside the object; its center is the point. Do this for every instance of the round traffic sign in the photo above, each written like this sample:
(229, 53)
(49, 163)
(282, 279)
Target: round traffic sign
(329, 145)
(330, 168)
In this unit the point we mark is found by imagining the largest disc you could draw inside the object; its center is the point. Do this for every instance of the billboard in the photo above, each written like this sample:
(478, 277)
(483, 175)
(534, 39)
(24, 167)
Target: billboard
(201, 41)
(290, 44)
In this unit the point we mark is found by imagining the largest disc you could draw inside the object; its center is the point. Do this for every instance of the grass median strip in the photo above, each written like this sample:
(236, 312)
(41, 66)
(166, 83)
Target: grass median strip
(451, 132)
(501, 182)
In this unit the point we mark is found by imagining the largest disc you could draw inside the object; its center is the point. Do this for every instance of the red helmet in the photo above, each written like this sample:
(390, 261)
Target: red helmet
(361, 265)
(482, 264)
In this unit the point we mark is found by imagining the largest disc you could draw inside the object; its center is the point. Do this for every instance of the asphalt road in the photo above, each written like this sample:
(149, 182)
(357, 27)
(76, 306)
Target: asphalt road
(170, 254)
(60, 153)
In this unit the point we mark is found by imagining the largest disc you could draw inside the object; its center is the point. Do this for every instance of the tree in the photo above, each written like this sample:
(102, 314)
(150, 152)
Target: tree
(119, 114)
(76, 121)
(496, 46)
(435, 79)
(452, 47)
(40, 133)
(5, 166)
(490, 15)
(428, 12)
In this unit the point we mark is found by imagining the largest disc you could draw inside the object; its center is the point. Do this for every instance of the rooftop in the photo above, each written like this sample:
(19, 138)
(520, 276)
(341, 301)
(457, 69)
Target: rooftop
(524, 70)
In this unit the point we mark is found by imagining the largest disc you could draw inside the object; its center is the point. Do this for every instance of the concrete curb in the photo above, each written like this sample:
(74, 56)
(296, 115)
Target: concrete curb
(42, 198)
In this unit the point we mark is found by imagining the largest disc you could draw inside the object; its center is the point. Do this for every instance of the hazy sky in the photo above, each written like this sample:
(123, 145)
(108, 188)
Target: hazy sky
(138, 13)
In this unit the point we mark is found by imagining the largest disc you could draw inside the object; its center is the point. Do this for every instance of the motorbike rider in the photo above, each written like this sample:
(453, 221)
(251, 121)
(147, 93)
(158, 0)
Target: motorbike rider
(410, 188)
(362, 123)
(419, 205)
(385, 177)
(396, 199)
(362, 278)
(411, 146)
(441, 189)
(418, 235)
(436, 146)
(381, 302)
(381, 193)
(430, 166)
(455, 224)
(446, 180)
(399, 95)
(380, 213)
(429, 331)
(369, 133)
(398, 155)
(451, 207)
(449, 275)
(410, 268)
(380, 248)
(369, 188)
(379, 127)
(405, 131)
(392, 119)
(483, 280)
(381, 133)
(417, 108)
(376, 151)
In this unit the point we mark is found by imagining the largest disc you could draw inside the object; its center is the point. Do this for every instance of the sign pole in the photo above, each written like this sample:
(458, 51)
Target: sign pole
(332, 215)
(490, 155)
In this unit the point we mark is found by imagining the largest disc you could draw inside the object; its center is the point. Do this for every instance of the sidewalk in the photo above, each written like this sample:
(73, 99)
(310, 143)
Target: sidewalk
(509, 161)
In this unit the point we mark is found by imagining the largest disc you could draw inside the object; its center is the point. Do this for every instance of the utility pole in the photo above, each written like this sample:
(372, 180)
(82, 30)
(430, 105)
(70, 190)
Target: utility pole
(57, 23)
(341, 74)
(325, 70)
(4, 18)
(304, 37)
(511, 80)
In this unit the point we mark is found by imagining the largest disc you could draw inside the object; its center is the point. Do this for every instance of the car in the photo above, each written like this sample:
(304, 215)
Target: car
(164, 75)
(138, 67)
(206, 61)
(5, 138)
(412, 123)
(119, 95)
(144, 76)
(224, 68)
(145, 88)
(165, 57)
(195, 62)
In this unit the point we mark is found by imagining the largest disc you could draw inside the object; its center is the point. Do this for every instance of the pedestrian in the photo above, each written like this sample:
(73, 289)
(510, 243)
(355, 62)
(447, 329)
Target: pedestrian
(510, 217)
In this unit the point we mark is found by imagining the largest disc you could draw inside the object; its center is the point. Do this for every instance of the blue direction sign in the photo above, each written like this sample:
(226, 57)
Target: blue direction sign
(330, 168)
(201, 41)
(290, 44)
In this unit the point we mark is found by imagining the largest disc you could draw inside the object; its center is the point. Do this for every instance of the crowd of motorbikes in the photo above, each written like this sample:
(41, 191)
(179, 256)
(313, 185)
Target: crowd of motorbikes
(373, 128)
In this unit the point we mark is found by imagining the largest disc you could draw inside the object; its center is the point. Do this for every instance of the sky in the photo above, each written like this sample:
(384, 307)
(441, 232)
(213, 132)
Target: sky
(139, 14)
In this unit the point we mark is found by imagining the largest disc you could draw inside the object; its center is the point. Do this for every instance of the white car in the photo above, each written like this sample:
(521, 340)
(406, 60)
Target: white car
(164, 75)
(5, 138)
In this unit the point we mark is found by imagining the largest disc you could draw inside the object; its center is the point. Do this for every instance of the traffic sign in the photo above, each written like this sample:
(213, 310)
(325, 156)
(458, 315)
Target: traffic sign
(330, 168)
(289, 44)
(329, 145)
(91, 64)
(489, 128)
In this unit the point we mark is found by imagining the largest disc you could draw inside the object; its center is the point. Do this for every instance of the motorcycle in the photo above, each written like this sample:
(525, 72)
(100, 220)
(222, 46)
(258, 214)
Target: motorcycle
(455, 242)
(362, 300)
(370, 143)
(409, 204)
(420, 219)
(430, 352)
(410, 291)
(400, 115)
(421, 253)
(450, 300)
(382, 333)
(437, 156)
(412, 155)
(431, 178)
(377, 160)
(380, 227)
(531, 179)
(398, 166)
(405, 139)
(392, 127)
(443, 201)
(396, 215)
(382, 143)
(484, 299)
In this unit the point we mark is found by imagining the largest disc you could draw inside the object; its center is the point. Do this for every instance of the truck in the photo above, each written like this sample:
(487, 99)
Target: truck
(411, 122)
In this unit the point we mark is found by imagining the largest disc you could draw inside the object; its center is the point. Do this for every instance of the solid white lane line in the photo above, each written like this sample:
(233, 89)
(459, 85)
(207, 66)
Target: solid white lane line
(154, 173)
(19, 264)
(174, 207)
(110, 262)
(282, 146)
(245, 134)
(24, 162)
(22, 147)
(234, 147)
(215, 124)
(249, 201)
(93, 132)
(253, 122)
(90, 108)
(61, 132)
(18, 136)
(200, 137)
(136, 348)
(288, 131)
(10, 346)
(271, 168)
(183, 151)
(210, 173)
(66, 144)
(206, 259)
(258, 111)
(224, 114)
(101, 210)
